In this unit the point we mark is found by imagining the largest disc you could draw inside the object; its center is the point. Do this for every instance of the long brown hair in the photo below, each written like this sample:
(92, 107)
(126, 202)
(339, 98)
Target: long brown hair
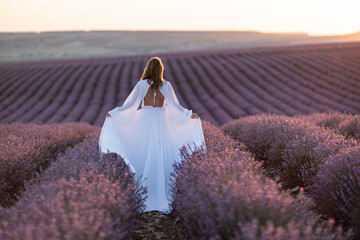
(154, 72)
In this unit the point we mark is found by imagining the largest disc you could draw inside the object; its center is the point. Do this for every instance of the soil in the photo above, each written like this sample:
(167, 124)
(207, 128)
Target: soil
(158, 225)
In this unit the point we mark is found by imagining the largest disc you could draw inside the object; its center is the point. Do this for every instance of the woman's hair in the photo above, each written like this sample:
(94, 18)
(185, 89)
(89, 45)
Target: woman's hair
(154, 72)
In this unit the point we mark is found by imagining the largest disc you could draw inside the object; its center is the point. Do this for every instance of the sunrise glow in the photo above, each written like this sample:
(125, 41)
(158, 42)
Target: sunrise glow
(321, 17)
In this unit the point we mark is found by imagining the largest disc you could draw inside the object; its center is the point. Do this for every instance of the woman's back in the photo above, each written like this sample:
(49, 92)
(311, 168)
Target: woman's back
(149, 98)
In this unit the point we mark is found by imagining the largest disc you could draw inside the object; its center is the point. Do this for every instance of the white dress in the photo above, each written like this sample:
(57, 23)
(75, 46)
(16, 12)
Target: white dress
(149, 139)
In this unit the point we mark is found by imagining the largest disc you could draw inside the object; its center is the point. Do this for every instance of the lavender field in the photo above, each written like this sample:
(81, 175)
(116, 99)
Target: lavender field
(281, 126)
(218, 85)
(231, 191)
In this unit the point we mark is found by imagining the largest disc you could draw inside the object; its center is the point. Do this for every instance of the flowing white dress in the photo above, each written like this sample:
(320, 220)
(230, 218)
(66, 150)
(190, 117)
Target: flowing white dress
(149, 139)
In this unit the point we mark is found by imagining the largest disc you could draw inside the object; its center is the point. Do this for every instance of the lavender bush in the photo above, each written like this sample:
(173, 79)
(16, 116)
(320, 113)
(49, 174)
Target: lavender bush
(337, 188)
(86, 155)
(342, 123)
(29, 148)
(221, 194)
(301, 229)
(91, 207)
(88, 196)
(292, 150)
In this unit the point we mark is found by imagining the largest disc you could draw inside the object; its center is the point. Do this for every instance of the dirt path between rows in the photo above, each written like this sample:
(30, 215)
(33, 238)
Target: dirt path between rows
(158, 225)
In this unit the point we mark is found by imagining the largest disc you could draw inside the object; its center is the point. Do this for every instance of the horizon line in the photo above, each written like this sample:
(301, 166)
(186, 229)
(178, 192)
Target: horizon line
(181, 30)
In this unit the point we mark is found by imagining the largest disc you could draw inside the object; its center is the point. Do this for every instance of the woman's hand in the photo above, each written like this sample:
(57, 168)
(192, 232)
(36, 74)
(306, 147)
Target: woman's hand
(194, 115)
(108, 115)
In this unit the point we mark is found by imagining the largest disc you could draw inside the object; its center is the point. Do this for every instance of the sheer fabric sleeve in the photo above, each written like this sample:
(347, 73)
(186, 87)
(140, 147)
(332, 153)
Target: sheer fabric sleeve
(178, 114)
(123, 114)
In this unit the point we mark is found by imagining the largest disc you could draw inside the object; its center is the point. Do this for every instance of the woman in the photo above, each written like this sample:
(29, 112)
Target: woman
(149, 139)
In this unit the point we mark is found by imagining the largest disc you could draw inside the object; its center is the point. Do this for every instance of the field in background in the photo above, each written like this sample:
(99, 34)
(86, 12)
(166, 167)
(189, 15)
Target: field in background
(29, 46)
(218, 85)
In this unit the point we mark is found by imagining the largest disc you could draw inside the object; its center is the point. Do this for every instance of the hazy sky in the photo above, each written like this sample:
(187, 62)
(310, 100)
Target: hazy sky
(316, 17)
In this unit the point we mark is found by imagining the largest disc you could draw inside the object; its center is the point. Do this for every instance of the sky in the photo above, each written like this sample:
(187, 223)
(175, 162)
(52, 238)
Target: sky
(315, 17)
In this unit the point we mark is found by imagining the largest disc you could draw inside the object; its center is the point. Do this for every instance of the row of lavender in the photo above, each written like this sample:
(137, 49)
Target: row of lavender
(218, 85)
(223, 194)
(319, 153)
(343, 124)
(82, 194)
(26, 149)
